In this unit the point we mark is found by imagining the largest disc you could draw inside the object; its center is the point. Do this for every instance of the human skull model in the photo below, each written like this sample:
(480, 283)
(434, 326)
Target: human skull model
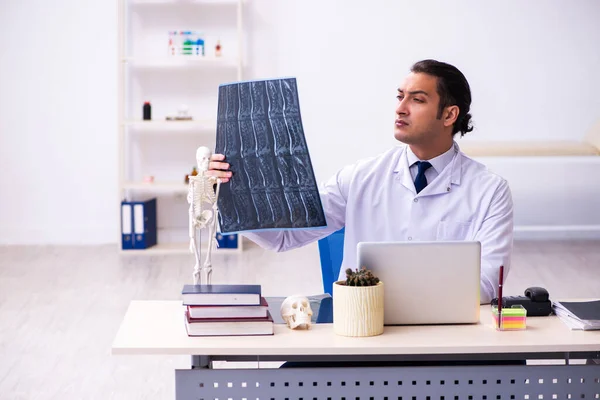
(296, 312)
(203, 155)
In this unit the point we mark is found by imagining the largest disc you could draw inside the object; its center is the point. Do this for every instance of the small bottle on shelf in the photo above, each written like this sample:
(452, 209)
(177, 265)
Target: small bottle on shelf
(218, 49)
(194, 173)
(147, 111)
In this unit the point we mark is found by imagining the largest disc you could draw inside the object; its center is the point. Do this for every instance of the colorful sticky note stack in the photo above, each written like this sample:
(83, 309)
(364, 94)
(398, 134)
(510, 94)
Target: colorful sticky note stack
(513, 319)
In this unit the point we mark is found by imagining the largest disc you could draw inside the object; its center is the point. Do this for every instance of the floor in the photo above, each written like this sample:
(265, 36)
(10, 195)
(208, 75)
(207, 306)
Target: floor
(60, 308)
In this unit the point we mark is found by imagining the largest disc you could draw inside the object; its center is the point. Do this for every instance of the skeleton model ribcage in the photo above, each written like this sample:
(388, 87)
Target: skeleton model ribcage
(201, 191)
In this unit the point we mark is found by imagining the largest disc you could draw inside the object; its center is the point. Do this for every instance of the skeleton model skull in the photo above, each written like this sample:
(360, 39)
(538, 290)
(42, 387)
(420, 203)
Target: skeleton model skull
(200, 194)
(296, 312)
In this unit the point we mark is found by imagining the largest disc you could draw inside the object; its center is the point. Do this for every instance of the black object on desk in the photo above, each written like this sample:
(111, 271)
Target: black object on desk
(536, 301)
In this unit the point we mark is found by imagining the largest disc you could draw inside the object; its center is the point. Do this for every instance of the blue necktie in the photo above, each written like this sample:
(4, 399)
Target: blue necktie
(420, 180)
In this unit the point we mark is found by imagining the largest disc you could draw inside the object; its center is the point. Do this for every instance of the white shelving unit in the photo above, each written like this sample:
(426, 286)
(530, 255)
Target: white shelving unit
(174, 63)
(166, 149)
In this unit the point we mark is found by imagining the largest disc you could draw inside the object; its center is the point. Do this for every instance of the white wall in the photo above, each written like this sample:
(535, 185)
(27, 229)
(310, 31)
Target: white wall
(58, 120)
(532, 65)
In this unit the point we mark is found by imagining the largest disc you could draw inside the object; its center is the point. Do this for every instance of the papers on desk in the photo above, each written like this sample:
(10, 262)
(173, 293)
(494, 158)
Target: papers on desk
(580, 315)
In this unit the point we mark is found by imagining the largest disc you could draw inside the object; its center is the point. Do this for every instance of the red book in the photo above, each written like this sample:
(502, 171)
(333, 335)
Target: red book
(197, 312)
(228, 326)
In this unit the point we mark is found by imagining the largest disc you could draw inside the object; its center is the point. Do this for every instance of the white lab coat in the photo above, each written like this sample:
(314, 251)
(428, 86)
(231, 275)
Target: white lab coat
(376, 200)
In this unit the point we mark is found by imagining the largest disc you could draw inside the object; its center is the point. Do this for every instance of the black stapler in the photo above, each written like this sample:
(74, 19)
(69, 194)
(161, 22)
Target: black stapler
(536, 301)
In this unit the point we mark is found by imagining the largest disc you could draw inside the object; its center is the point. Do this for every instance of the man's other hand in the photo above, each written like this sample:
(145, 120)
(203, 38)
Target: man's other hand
(218, 168)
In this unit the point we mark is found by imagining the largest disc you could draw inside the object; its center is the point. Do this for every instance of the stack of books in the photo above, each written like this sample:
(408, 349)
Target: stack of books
(581, 315)
(226, 310)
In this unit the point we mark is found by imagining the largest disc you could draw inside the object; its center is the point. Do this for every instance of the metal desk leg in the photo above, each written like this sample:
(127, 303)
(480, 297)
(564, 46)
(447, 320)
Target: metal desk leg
(201, 362)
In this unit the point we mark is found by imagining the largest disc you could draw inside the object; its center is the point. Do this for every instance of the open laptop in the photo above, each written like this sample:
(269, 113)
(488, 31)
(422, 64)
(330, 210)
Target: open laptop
(426, 282)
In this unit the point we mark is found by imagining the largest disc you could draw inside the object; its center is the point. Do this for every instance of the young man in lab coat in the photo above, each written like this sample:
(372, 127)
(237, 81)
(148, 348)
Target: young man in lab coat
(428, 190)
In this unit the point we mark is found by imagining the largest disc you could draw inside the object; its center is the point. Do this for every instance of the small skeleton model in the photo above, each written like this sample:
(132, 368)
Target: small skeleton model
(202, 214)
(296, 312)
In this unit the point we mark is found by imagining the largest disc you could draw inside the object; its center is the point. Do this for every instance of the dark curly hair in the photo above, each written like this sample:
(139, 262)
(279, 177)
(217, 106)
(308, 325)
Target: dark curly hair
(453, 89)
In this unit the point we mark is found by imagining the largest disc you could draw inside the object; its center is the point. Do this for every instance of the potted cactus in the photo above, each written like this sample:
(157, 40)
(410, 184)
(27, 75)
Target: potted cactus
(358, 304)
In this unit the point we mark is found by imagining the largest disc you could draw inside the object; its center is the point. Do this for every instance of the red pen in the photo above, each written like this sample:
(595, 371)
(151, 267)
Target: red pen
(500, 280)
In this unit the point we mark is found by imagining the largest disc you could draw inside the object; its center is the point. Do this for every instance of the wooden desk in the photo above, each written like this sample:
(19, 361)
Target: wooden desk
(157, 327)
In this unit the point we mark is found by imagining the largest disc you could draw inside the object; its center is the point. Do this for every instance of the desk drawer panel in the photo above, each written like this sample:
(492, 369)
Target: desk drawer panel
(392, 383)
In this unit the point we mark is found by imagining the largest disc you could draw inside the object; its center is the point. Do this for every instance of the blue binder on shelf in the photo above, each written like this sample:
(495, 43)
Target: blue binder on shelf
(231, 241)
(138, 222)
(221, 243)
(126, 226)
(227, 241)
(144, 224)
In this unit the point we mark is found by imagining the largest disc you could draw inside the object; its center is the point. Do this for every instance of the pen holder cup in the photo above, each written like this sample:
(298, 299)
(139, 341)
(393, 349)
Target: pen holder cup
(512, 319)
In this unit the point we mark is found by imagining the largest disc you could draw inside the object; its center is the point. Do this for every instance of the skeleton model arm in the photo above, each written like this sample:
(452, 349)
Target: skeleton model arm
(201, 192)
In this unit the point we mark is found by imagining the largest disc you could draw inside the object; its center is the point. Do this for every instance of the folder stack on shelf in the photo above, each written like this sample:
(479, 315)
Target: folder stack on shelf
(138, 224)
